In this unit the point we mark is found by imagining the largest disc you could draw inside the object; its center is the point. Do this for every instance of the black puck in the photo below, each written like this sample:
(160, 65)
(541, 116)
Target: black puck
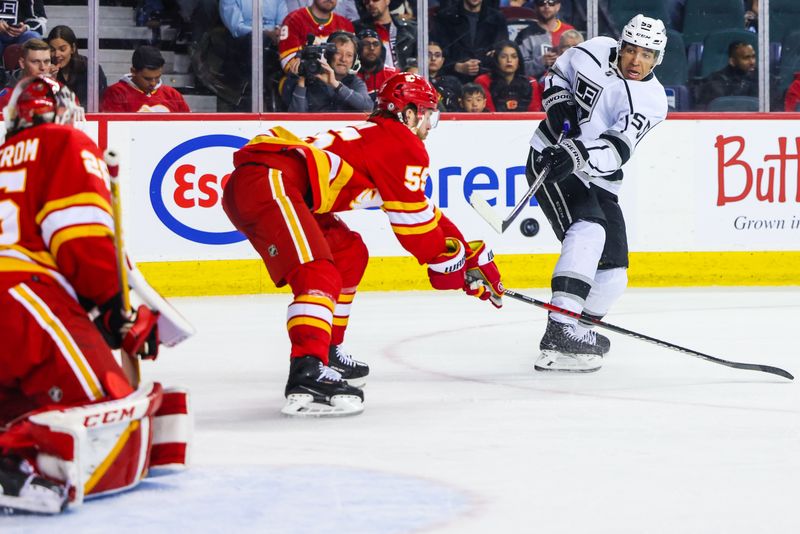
(529, 227)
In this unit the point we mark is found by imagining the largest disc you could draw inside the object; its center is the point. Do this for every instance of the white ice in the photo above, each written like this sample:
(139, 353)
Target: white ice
(460, 435)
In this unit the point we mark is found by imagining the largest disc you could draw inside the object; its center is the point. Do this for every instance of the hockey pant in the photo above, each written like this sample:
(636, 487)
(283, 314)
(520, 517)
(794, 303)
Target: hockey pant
(591, 272)
(105, 447)
(51, 353)
(317, 255)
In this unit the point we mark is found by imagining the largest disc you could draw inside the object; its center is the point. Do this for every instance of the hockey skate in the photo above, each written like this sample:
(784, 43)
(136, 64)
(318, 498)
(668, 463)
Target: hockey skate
(354, 371)
(316, 390)
(23, 491)
(566, 350)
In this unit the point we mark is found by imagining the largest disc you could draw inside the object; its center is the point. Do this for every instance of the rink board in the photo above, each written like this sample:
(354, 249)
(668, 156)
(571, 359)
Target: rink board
(709, 199)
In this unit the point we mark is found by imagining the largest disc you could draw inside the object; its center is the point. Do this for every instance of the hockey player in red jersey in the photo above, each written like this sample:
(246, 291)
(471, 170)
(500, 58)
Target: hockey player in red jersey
(283, 195)
(58, 376)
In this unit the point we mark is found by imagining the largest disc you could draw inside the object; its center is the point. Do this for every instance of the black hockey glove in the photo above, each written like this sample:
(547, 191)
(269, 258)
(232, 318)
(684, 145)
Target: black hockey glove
(560, 106)
(563, 160)
(136, 333)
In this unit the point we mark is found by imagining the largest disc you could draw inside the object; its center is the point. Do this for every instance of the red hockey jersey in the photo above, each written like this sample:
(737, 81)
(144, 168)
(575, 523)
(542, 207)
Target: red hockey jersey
(55, 211)
(379, 163)
(298, 24)
(124, 96)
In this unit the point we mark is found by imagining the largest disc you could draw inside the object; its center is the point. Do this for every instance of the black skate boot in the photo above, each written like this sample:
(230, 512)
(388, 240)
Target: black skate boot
(354, 371)
(22, 490)
(564, 349)
(602, 341)
(316, 390)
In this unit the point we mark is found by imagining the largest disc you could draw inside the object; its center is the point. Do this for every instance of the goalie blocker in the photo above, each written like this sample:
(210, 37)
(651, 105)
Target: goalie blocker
(77, 453)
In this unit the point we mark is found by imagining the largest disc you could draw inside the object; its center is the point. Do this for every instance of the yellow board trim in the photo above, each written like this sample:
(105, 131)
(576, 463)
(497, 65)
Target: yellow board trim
(112, 456)
(648, 269)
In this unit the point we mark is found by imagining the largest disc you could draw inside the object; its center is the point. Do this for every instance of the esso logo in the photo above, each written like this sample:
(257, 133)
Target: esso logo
(186, 189)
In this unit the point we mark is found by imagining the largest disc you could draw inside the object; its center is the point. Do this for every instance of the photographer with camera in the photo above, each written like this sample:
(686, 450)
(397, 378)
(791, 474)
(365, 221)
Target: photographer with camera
(326, 79)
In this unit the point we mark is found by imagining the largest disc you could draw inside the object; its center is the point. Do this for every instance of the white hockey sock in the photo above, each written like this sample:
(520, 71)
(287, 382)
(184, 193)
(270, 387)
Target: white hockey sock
(609, 284)
(574, 273)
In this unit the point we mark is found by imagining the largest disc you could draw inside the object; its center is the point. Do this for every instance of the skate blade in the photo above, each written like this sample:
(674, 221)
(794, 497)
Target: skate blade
(556, 362)
(303, 405)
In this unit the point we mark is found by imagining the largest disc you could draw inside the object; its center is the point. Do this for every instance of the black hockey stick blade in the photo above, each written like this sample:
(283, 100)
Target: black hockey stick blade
(597, 322)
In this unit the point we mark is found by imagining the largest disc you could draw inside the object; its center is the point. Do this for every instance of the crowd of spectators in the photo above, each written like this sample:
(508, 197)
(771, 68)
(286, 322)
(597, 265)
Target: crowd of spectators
(475, 62)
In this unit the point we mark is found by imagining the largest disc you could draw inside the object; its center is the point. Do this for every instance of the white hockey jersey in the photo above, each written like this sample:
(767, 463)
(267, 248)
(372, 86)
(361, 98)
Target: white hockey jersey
(614, 113)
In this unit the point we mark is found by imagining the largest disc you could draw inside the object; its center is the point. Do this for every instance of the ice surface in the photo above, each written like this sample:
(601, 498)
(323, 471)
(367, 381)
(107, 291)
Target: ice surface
(460, 435)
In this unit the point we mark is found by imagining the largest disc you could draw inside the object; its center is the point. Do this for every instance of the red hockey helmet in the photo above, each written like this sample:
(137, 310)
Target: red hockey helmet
(405, 88)
(38, 99)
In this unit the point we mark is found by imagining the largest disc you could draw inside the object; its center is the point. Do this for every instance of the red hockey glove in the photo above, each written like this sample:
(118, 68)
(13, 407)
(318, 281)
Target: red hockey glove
(446, 271)
(483, 277)
(136, 333)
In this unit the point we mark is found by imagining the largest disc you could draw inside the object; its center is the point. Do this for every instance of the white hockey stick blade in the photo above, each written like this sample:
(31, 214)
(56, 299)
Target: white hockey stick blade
(480, 205)
(303, 405)
(173, 328)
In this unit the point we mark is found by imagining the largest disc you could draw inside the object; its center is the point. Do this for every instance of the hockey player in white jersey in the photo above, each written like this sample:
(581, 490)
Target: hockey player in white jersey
(608, 95)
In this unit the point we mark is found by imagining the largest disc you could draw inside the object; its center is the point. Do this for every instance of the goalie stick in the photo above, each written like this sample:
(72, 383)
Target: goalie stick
(484, 209)
(597, 322)
(129, 362)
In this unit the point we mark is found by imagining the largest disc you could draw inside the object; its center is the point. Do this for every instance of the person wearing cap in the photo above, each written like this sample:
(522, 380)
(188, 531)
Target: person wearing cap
(141, 89)
(399, 36)
(373, 69)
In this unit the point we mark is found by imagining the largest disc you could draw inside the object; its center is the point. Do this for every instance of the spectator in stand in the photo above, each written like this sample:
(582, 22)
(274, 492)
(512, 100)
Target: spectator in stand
(73, 68)
(507, 89)
(751, 17)
(738, 78)
(467, 31)
(34, 61)
(233, 81)
(539, 44)
(29, 23)
(569, 39)
(448, 87)
(473, 98)
(141, 90)
(346, 8)
(399, 36)
(792, 101)
(319, 20)
(335, 88)
(372, 54)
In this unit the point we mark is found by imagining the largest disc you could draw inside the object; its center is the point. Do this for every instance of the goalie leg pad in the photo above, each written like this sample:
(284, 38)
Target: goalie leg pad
(97, 449)
(172, 430)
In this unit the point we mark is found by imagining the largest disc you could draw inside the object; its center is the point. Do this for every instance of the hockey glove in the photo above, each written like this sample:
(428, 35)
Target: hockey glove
(446, 271)
(559, 105)
(563, 159)
(136, 333)
(483, 277)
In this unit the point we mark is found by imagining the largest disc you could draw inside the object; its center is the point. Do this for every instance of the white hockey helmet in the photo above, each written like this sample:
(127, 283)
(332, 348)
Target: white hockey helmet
(645, 32)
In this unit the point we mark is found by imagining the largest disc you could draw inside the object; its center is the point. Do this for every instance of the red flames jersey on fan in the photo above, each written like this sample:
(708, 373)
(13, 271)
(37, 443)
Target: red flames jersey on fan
(380, 163)
(55, 211)
(298, 24)
(123, 96)
(375, 80)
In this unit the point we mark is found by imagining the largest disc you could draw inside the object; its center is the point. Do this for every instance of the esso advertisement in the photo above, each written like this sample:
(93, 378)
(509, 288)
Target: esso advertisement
(186, 189)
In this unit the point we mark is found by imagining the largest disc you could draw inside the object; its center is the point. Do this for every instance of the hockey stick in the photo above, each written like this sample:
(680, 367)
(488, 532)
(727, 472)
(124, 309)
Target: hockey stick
(130, 362)
(480, 205)
(597, 322)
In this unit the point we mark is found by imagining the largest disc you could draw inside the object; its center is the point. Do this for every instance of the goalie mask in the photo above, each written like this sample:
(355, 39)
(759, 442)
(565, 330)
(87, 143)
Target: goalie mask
(405, 89)
(647, 33)
(38, 100)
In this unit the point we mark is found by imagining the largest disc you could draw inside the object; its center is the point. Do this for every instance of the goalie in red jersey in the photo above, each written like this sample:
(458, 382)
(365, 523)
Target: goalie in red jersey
(71, 424)
(283, 195)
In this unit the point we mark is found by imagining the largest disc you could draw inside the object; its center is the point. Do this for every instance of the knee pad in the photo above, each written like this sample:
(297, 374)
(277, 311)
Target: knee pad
(317, 275)
(350, 254)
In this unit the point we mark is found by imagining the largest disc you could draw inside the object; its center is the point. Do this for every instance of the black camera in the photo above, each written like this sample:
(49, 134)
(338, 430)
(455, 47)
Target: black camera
(311, 55)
